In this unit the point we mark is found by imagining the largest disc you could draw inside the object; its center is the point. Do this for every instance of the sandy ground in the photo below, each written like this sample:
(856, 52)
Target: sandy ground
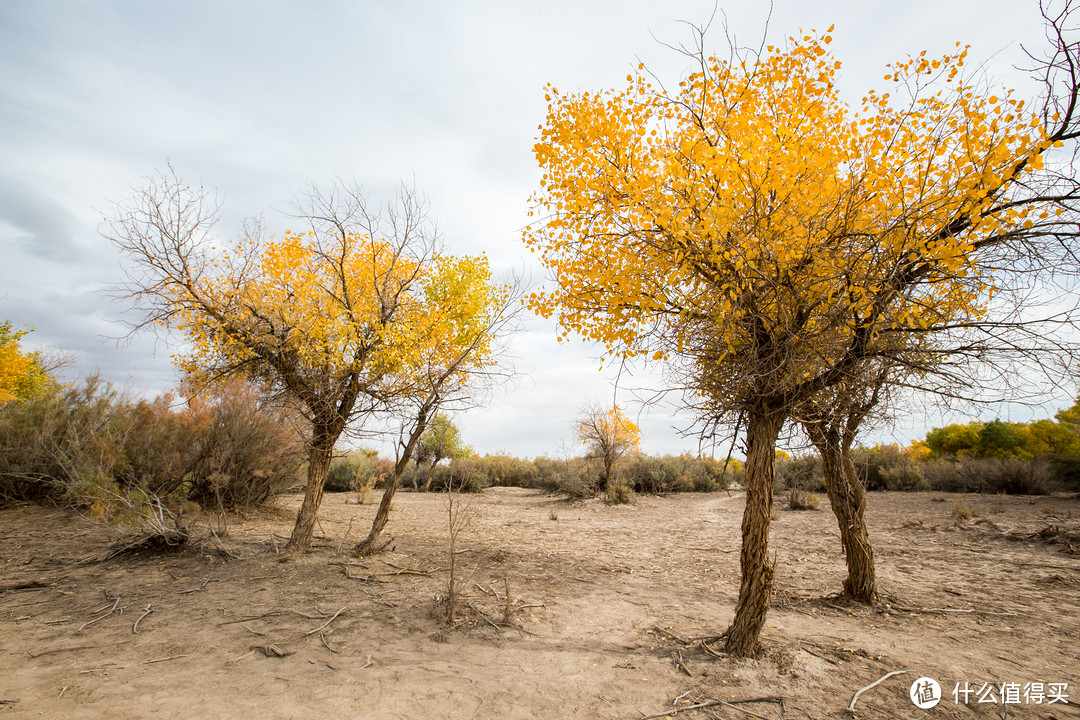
(603, 603)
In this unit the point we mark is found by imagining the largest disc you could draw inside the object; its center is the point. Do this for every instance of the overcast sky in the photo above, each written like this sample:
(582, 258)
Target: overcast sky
(258, 98)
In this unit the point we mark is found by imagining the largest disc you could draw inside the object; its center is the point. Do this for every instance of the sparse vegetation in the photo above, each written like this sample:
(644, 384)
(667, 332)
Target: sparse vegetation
(964, 511)
(803, 500)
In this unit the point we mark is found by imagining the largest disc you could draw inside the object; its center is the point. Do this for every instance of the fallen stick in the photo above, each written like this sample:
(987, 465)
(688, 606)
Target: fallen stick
(135, 627)
(733, 704)
(222, 545)
(324, 626)
(165, 659)
(405, 570)
(860, 691)
(110, 612)
(254, 617)
(484, 617)
(710, 651)
(676, 700)
(322, 636)
(197, 589)
(33, 654)
(671, 635)
(676, 657)
(238, 659)
(271, 650)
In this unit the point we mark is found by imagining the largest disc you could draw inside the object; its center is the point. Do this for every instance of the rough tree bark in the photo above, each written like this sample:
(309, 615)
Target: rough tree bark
(848, 500)
(319, 456)
(755, 592)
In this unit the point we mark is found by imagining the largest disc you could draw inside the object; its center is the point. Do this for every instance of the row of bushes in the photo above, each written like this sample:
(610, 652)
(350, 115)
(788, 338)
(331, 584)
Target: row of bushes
(887, 467)
(576, 477)
(93, 447)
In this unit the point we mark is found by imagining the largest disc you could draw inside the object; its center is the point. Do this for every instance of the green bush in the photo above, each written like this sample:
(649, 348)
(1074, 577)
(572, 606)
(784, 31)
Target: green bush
(620, 492)
(351, 471)
(466, 474)
(1065, 471)
(656, 475)
(802, 472)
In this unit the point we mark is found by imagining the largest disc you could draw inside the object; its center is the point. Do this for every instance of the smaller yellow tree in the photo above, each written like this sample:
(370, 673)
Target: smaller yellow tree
(20, 371)
(361, 315)
(609, 435)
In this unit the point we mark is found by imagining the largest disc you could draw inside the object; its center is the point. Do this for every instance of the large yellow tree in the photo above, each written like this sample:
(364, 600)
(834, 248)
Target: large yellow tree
(359, 314)
(765, 240)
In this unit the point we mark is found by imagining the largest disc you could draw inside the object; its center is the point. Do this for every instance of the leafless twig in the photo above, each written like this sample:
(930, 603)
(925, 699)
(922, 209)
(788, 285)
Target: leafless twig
(135, 627)
(860, 691)
(110, 612)
(327, 623)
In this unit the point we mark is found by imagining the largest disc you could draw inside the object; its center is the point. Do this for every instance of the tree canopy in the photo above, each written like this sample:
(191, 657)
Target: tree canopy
(21, 372)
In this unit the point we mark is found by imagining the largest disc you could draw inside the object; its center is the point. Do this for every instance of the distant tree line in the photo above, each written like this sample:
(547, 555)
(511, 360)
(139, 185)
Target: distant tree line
(1033, 458)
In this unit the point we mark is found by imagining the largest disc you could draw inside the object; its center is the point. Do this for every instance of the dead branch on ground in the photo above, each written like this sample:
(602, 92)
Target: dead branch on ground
(135, 627)
(860, 691)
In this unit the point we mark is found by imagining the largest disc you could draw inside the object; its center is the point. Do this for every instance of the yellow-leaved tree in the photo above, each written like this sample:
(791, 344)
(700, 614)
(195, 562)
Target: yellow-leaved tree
(767, 242)
(609, 435)
(360, 315)
(20, 371)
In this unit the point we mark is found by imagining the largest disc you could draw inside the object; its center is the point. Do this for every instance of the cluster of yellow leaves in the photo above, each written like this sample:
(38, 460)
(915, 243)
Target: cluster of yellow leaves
(753, 212)
(20, 371)
(325, 310)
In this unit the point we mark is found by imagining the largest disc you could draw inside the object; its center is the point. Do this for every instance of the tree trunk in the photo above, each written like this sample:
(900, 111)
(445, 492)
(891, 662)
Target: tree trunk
(369, 545)
(755, 592)
(319, 456)
(431, 471)
(848, 500)
(861, 582)
(607, 480)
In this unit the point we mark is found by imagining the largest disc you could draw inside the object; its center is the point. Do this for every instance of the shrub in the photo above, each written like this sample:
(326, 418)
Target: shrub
(887, 467)
(466, 474)
(802, 473)
(803, 500)
(996, 475)
(352, 471)
(965, 511)
(248, 452)
(1065, 471)
(88, 445)
(679, 473)
(620, 493)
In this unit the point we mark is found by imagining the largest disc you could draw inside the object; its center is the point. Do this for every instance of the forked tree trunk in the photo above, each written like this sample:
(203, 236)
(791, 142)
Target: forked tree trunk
(755, 592)
(369, 545)
(319, 456)
(848, 500)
